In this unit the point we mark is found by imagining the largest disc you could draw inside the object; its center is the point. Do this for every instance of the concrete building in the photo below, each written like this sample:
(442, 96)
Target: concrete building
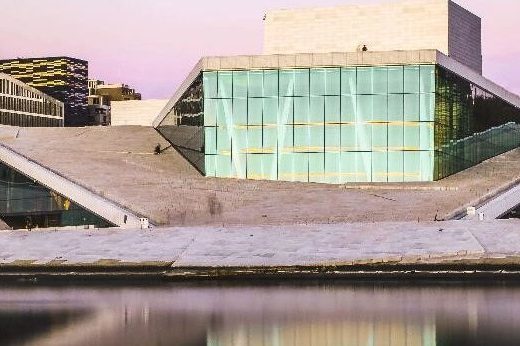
(137, 112)
(25, 106)
(404, 25)
(62, 78)
(100, 98)
(353, 117)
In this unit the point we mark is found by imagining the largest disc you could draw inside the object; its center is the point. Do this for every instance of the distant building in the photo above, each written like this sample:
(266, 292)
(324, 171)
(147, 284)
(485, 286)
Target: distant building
(25, 106)
(137, 113)
(63, 78)
(100, 97)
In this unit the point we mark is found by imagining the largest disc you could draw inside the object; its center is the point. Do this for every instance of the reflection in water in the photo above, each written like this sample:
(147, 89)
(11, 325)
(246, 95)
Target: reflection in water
(314, 315)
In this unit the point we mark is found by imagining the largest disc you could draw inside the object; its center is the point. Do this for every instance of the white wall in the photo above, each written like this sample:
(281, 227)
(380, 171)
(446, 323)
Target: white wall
(141, 113)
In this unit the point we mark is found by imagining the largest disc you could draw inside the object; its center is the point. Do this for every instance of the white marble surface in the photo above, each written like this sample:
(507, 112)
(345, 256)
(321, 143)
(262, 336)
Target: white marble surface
(298, 245)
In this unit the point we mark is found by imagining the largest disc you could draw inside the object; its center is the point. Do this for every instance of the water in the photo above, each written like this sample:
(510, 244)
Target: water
(314, 314)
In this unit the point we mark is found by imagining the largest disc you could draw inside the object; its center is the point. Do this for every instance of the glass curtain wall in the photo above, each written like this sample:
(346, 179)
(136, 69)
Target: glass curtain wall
(471, 125)
(327, 125)
(26, 204)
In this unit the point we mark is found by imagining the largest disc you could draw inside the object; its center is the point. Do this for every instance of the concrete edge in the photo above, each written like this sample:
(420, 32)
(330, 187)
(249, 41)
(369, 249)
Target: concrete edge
(82, 196)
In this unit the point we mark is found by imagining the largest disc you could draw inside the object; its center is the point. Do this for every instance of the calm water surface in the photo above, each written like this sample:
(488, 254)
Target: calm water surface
(316, 314)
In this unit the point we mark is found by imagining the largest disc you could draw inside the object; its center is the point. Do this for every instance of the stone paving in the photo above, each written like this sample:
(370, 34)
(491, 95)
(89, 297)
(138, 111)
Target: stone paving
(118, 163)
(267, 246)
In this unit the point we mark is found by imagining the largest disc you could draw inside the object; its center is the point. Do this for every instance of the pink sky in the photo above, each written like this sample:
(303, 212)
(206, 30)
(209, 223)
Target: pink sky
(153, 44)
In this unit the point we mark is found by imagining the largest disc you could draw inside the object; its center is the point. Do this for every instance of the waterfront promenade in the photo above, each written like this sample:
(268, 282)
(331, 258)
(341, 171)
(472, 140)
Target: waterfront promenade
(333, 250)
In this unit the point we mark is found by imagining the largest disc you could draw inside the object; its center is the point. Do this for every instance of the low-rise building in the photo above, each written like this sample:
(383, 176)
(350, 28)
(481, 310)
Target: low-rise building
(25, 106)
(100, 97)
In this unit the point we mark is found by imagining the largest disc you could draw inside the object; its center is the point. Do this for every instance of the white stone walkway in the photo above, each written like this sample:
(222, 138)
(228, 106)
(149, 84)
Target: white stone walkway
(269, 246)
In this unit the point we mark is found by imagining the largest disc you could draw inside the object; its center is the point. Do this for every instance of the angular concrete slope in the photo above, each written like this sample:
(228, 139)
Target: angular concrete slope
(118, 164)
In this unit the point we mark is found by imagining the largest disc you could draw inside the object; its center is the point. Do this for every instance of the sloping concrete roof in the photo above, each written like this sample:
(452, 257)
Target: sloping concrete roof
(118, 163)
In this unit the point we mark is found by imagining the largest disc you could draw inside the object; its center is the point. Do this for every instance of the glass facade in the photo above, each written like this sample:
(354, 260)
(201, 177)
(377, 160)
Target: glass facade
(337, 125)
(471, 125)
(26, 204)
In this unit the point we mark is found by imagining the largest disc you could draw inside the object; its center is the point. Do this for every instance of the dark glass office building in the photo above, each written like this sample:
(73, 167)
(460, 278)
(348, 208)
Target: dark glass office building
(339, 118)
(63, 78)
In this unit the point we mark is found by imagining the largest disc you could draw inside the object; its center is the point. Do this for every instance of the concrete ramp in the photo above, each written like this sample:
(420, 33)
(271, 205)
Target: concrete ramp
(76, 193)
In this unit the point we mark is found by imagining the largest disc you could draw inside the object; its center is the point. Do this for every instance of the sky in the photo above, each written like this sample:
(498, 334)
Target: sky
(153, 44)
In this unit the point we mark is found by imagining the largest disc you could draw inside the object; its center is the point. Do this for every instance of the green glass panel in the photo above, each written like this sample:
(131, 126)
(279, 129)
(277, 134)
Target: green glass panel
(379, 137)
(271, 83)
(412, 136)
(316, 138)
(363, 137)
(254, 167)
(210, 80)
(318, 81)
(427, 137)
(254, 139)
(396, 79)
(332, 137)
(411, 79)
(286, 110)
(363, 167)
(239, 166)
(301, 110)
(427, 104)
(412, 107)
(348, 167)
(240, 84)
(210, 112)
(427, 165)
(332, 168)
(380, 108)
(270, 138)
(239, 140)
(348, 137)
(395, 136)
(225, 85)
(396, 107)
(293, 167)
(412, 166)
(287, 82)
(333, 82)
(223, 141)
(270, 166)
(317, 167)
(210, 166)
(364, 80)
(380, 80)
(365, 108)
(380, 167)
(301, 82)
(348, 108)
(286, 138)
(255, 111)
(240, 111)
(317, 109)
(210, 140)
(224, 113)
(301, 138)
(395, 166)
(223, 166)
(270, 115)
(256, 84)
(262, 167)
(348, 81)
(332, 109)
(427, 73)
